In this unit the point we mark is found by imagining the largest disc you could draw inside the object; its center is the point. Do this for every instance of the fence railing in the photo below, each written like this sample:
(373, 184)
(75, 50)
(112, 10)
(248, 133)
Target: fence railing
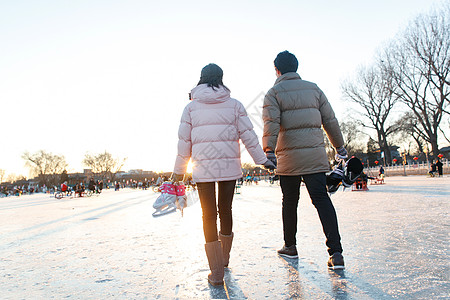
(421, 168)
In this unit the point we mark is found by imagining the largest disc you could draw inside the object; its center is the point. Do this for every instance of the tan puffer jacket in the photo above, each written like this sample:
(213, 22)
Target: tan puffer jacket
(294, 112)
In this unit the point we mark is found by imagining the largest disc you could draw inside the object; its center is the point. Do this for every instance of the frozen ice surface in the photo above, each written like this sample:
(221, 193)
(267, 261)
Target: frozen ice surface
(395, 239)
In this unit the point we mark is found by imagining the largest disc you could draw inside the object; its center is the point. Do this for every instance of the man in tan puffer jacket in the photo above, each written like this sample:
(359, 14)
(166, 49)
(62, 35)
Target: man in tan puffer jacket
(294, 113)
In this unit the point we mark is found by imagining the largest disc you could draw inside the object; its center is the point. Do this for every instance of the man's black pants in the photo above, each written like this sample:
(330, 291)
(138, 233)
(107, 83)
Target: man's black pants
(316, 186)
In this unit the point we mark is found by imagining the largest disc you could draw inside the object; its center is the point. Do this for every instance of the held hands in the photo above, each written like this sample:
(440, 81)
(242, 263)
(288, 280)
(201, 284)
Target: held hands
(341, 153)
(269, 165)
(177, 177)
(271, 162)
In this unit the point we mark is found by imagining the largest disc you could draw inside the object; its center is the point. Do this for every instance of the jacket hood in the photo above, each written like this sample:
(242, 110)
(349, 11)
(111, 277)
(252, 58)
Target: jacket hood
(203, 93)
(288, 76)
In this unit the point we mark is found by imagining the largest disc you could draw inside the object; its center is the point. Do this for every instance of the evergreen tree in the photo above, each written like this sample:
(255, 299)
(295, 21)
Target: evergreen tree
(372, 151)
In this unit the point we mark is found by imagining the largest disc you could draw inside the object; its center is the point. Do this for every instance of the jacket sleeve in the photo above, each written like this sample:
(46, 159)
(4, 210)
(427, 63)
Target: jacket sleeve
(329, 122)
(271, 117)
(249, 137)
(184, 143)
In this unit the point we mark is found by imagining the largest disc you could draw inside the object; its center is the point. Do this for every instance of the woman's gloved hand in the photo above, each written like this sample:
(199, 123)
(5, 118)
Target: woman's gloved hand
(177, 177)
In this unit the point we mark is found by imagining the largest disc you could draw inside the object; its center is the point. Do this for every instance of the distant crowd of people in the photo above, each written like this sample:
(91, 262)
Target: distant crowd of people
(249, 180)
(18, 190)
(96, 186)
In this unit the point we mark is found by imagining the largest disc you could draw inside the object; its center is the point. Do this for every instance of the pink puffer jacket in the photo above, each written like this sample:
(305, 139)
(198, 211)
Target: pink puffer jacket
(210, 130)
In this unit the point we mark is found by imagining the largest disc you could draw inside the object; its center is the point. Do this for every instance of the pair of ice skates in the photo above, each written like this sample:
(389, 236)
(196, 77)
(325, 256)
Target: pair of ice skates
(173, 197)
(345, 173)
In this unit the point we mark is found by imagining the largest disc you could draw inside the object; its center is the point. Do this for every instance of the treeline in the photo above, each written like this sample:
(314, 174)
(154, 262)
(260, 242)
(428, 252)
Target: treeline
(50, 169)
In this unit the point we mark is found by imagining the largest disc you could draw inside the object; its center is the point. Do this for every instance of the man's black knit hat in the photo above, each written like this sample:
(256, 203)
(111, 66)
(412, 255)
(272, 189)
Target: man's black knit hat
(286, 62)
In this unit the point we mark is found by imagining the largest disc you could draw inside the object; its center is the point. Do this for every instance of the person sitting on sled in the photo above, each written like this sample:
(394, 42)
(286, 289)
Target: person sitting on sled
(432, 171)
(381, 172)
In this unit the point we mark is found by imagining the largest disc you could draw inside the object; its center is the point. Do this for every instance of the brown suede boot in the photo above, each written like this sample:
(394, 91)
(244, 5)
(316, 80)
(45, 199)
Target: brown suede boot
(227, 241)
(215, 260)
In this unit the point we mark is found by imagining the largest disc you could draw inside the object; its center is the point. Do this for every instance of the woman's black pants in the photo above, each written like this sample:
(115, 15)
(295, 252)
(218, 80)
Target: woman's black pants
(207, 194)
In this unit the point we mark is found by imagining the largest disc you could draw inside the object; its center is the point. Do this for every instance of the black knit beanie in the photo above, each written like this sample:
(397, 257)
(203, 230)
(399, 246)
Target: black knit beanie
(212, 75)
(286, 62)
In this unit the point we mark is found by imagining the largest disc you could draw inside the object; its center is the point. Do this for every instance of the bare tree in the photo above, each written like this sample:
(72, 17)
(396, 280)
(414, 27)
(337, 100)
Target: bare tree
(420, 64)
(13, 178)
(443, 133)
(372, 149)
(104, 164)
(46, 166)
(373, 91)
(2, 175)
(408, 128)
(353, 137)
(353, 141)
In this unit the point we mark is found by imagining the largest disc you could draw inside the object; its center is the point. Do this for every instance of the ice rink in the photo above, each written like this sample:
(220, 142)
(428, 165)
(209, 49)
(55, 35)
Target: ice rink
(395, 238)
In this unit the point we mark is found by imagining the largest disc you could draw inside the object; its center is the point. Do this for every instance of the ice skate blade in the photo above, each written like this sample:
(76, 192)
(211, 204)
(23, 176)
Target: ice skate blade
(160, 205)
(336, 267)
(164, 211)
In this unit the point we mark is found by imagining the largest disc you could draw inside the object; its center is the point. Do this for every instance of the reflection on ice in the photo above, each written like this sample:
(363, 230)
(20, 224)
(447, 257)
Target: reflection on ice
(232, 286)
(339, 284)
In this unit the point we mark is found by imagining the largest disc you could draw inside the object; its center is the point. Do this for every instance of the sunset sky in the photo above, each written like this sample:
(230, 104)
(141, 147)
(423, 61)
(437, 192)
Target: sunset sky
(81, 77)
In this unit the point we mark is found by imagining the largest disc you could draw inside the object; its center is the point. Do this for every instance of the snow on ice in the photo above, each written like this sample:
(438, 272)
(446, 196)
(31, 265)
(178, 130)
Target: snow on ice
(395, 239)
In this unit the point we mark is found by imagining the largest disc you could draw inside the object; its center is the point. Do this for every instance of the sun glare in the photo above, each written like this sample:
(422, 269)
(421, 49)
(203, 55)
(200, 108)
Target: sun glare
(189, 167)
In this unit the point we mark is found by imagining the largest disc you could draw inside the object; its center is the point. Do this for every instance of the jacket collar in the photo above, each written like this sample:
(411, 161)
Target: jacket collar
(288, 76)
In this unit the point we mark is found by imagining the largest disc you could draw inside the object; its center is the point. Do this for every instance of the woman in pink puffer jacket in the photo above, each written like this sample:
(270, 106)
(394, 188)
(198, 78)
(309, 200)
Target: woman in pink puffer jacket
(210, 130)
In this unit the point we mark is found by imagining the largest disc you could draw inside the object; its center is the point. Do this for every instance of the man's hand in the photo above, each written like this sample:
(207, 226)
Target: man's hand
(177, 177)
(341, 153)
(272, 158)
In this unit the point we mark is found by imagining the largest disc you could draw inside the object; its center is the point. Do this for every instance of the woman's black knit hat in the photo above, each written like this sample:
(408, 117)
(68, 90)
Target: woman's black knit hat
(212, 75)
